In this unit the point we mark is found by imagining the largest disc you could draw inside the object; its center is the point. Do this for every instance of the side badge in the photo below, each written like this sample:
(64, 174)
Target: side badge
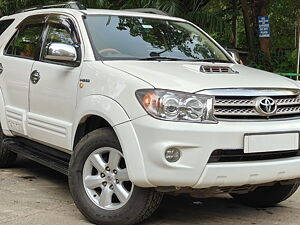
(82, 81)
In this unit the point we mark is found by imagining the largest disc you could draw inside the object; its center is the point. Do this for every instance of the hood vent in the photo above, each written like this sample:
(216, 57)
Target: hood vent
(217, 69)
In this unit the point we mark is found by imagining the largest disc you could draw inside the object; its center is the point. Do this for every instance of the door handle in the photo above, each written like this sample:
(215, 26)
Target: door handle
(35, 77)
(1, 68)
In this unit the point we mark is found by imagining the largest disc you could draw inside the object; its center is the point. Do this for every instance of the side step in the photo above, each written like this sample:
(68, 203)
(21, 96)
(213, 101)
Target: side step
(39, 153)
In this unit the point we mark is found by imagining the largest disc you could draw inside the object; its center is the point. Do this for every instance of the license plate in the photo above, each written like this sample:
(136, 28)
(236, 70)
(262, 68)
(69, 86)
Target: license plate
(256, 143)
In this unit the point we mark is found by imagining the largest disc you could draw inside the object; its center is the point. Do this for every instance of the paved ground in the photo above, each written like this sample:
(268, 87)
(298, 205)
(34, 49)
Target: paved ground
(31, 194)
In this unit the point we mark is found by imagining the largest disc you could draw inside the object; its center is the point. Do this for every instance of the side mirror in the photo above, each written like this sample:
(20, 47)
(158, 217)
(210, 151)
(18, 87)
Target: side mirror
(236, 56)
(63, 53)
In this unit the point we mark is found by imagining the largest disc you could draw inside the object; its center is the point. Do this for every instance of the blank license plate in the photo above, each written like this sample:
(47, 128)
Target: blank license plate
(271, 142)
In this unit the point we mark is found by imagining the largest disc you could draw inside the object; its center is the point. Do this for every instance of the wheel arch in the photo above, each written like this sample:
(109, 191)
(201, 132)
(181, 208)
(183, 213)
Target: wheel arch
(94, 112)
(88, 124)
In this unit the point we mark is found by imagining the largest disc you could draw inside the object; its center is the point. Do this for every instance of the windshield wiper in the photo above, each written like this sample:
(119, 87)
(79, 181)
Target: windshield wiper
(213, 60)
(160, 58)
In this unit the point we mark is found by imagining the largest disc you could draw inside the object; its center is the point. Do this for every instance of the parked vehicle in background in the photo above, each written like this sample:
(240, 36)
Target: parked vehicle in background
(131, 105)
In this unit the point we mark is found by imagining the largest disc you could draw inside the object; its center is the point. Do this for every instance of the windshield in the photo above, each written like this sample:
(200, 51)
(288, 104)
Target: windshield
(136, 38)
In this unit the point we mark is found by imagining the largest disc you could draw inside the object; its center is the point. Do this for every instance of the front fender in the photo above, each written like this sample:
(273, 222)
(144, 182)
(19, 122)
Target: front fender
(116, 116)
(102, 106)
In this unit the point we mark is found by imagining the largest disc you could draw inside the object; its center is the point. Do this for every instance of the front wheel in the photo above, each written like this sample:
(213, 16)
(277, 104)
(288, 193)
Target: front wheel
(267, 196)
(100, 186)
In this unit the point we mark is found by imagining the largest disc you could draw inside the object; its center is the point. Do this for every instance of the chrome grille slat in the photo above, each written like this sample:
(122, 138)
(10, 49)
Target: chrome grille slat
(234, 102)
(290, 101)
(288, 110)
(236, 112)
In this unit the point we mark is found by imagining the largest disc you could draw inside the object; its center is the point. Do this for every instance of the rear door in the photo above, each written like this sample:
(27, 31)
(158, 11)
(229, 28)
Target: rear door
(16, 61)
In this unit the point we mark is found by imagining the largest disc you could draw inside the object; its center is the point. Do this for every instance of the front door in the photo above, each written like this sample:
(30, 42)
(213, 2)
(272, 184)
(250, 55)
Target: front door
(53, 91)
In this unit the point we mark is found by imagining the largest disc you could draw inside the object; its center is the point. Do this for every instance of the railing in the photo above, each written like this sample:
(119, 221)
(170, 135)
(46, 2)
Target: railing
(293, 76)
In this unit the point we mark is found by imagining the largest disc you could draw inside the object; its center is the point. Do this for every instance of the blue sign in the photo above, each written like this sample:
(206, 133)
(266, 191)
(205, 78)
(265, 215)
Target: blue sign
(264, 27)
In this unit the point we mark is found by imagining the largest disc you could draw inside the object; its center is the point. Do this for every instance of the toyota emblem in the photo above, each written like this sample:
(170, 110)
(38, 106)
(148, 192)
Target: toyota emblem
(266, 106)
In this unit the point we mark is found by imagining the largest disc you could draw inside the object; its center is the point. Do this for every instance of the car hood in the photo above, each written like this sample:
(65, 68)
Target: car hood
(186, 76)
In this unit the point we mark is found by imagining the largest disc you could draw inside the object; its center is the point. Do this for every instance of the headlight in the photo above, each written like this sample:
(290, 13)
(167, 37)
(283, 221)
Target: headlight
(177, 106)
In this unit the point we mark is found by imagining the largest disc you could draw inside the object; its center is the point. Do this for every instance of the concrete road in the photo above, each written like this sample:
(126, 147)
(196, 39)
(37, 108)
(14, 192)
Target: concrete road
(31, 194)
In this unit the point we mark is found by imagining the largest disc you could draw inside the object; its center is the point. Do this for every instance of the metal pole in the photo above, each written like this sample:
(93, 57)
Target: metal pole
(296, 33)
(236, 34)
(298, 62)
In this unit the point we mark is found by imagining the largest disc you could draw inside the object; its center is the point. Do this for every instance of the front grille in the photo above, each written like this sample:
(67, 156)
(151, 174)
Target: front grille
(239, 156)
(240, 107)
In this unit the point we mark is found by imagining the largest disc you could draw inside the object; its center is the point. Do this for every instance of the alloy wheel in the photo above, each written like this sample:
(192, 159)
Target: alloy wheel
(106, 180)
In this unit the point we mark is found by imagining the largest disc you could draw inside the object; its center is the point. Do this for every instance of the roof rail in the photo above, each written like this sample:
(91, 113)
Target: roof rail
(70, 5)
(149, 10)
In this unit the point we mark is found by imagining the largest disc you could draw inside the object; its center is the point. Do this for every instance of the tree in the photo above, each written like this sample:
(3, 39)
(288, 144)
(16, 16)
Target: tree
(261, 9)
(251, 14)
(248, 25)
(234, 22)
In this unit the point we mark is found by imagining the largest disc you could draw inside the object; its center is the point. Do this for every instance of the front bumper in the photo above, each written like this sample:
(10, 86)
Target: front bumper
(239, 174)
(145, 140)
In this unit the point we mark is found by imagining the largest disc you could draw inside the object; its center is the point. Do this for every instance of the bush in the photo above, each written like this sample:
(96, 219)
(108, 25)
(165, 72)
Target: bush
(259, 60)
(286, 63)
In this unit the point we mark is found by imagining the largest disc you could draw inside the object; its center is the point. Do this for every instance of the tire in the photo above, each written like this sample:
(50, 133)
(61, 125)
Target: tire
(267, 196)
(93, 197)
(7, 158)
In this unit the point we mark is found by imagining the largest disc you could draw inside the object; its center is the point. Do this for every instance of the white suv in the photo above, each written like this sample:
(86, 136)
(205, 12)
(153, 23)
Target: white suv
(131, 105)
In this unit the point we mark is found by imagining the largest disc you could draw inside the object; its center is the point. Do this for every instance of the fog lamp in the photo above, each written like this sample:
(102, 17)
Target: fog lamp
(172, 154)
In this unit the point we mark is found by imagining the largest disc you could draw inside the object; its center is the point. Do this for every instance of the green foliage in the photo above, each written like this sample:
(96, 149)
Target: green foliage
(259, 60)
(283, 17)
(286, 62)
(10, 6)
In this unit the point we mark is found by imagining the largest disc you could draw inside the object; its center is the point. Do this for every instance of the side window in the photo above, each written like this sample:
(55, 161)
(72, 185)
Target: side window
(4, 24)
(25, 42)
(59, 34)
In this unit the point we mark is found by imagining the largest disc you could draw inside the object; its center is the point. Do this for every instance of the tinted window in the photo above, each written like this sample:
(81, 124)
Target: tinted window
(59, 34)
(119, 37)
(25, 43)
(4, 24)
